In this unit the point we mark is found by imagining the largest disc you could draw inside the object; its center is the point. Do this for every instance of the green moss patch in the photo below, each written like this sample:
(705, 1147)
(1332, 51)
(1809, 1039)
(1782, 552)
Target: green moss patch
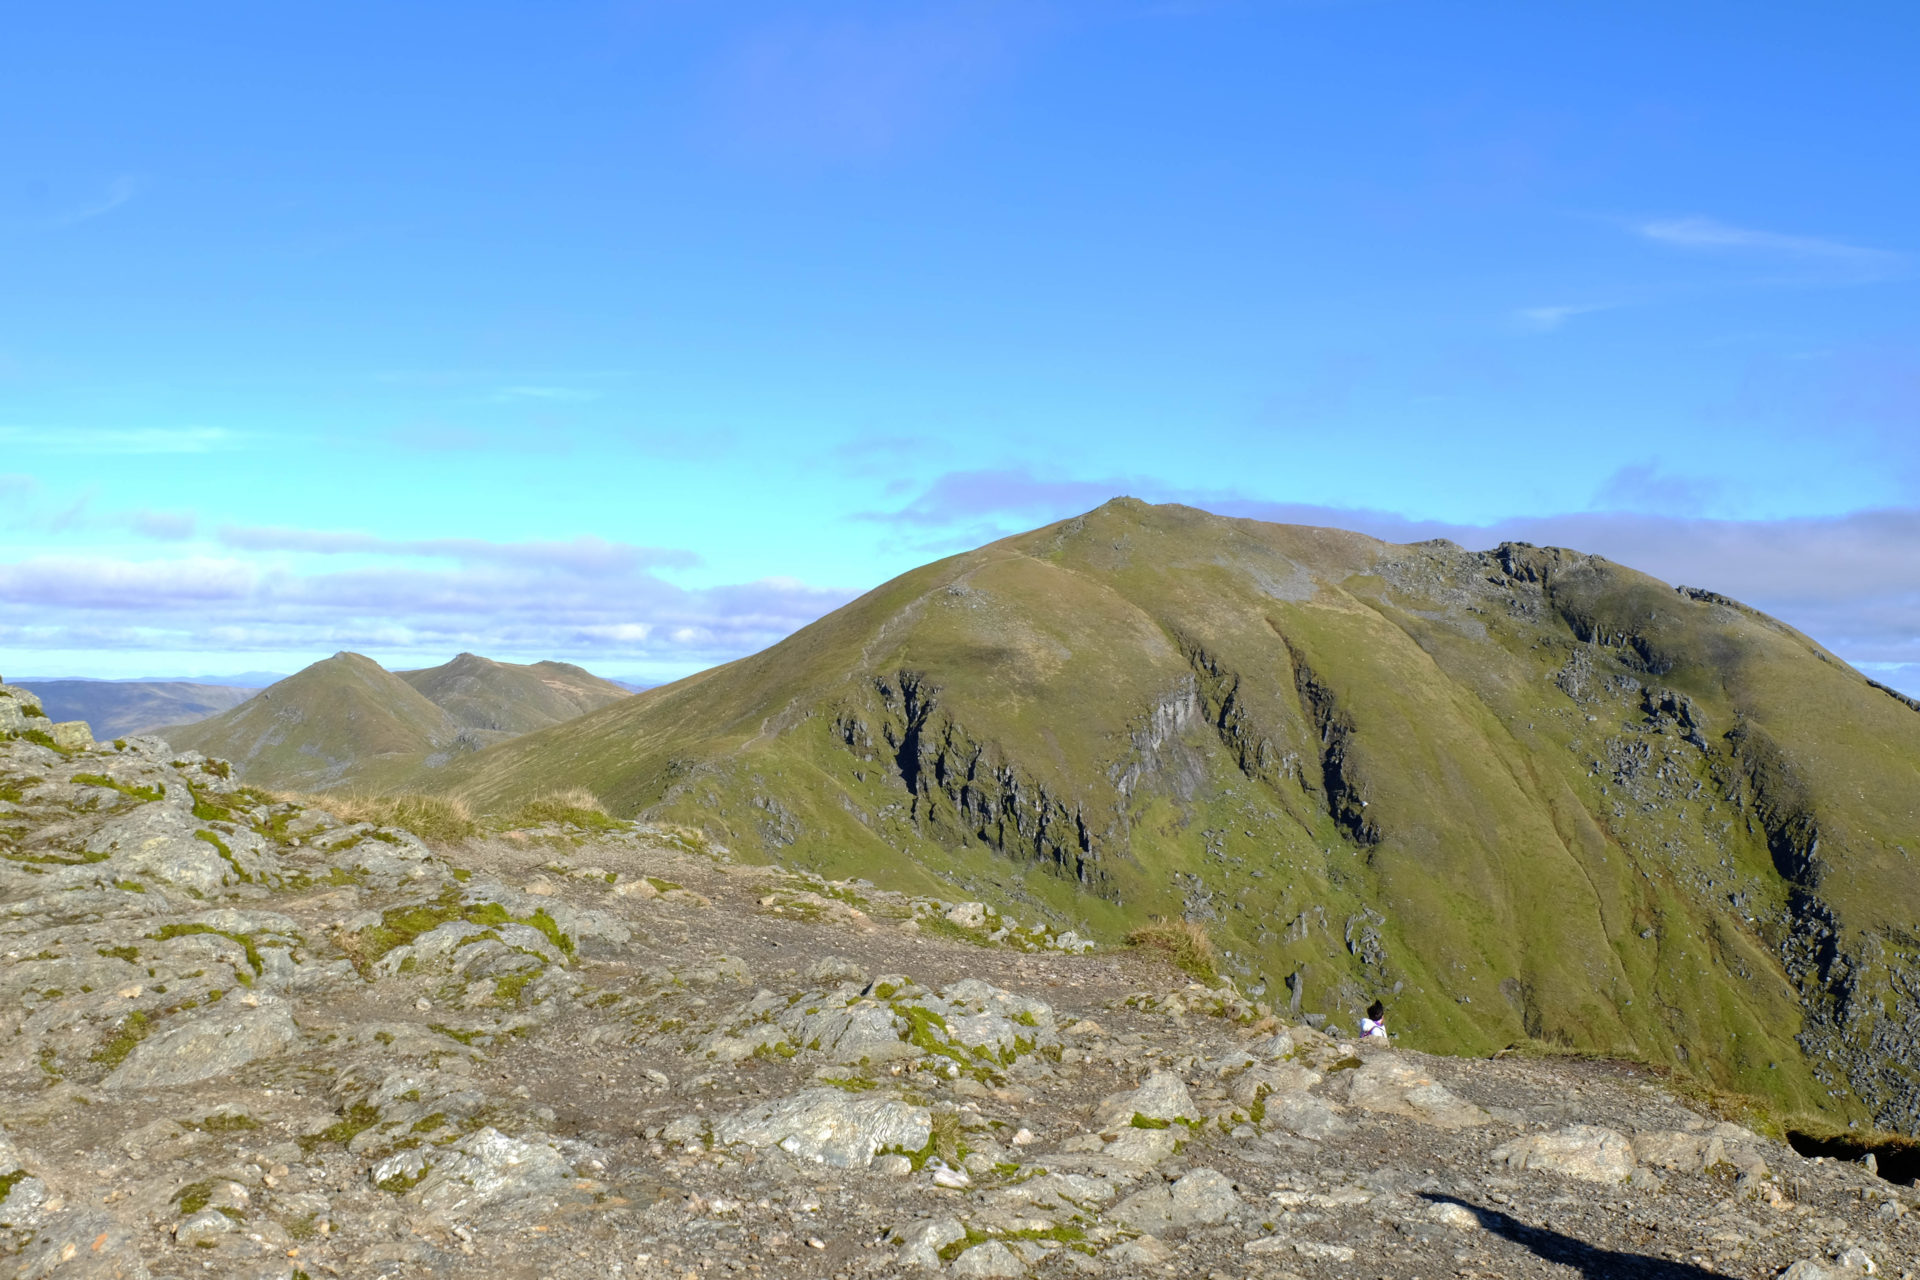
(145, 795)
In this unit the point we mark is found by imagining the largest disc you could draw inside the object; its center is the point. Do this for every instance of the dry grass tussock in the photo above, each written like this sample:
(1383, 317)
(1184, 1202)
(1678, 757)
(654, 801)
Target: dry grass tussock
(437, 818)
(1185, 943)
(575, 807)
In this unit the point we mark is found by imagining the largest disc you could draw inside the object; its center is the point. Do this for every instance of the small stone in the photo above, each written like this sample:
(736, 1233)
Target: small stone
(1457, 1216)
(208, 1224)
(945, 1175)
(893, 1166)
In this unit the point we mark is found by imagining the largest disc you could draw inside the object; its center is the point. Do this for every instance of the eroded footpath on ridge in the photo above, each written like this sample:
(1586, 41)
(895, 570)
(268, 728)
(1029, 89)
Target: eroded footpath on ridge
(244, 1038)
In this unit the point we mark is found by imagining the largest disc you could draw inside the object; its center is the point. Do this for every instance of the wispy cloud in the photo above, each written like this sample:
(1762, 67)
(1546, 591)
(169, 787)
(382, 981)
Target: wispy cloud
(1011, 492)
(1710, 234)
(587, 557)
(121, 441)
(233, 604)
(1547, 319)
(1851, 581)
(1644, 487)
(117, 193)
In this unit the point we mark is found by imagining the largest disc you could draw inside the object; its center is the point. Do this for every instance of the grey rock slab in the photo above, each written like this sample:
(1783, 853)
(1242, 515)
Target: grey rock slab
(1588, 1153)
(490, 1169)
(1305, 1117)
(1678, 1152)
(25, 1203)
(1199, 1198)
(212, 1044)
(990, 1259)
(1161, 1096)
(1143, 1251)
(82, 1244)
(829, 1126)
(921, 1242)
(1260, 1082)
(1394, 1086)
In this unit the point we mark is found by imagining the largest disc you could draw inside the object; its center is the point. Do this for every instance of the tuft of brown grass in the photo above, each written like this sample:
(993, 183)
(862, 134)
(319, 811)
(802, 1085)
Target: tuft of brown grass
(1185, 943)
(440, 819)
(576, 807)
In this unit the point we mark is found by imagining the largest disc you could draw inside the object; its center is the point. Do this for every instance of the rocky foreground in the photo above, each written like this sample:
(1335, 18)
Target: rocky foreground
(245, 1038)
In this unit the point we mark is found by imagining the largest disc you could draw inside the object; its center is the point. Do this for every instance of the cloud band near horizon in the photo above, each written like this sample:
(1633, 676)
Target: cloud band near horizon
(1852, 581)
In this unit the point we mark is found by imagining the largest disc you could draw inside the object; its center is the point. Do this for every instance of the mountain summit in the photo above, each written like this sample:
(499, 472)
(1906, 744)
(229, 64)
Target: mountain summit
(346, 720)
(1523, 795)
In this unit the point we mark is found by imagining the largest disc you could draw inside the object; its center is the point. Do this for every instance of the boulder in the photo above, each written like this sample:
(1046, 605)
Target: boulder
(989, 1259)
(921, 1243)
(828, 1126)
(71, 735)
(488, 1168)
(1303, 1116)
(1392, 1085)
(1198, 1199)
(1589, 1153)
(1162, 1096)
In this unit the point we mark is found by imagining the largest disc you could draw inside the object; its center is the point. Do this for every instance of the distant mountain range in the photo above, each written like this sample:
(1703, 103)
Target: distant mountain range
(346, 721)
(1525, 795)
(122, 708)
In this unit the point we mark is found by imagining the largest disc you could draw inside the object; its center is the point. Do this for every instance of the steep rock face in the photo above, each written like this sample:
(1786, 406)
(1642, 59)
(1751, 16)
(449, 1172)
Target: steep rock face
(1522, 794)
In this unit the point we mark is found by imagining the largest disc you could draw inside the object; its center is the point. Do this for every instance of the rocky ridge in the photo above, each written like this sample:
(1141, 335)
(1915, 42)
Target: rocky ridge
(243, 1037)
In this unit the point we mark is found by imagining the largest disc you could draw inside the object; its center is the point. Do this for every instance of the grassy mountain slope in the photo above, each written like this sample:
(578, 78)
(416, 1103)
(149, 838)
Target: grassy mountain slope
(510, 698)
(122, 708)
(345, 718)
(347, 722)
(1526, 795)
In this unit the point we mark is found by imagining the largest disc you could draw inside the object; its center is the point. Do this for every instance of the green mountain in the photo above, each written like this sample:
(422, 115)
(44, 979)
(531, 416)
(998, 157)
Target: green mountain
(347, 722)
(123, 708)
(1525, 795)
(508, 698)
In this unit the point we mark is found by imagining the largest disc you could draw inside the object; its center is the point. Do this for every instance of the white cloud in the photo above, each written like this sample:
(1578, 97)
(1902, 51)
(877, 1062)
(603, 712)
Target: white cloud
(585, 555)
(1546, 319)
(1711, 234)
(117, 193)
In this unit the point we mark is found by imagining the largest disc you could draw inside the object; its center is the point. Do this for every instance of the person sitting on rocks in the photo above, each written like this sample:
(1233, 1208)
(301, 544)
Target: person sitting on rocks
(1374, 1025)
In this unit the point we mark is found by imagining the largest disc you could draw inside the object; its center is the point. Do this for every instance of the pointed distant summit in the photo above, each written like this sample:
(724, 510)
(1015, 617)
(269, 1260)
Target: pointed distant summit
(508, 698)
(348, 720)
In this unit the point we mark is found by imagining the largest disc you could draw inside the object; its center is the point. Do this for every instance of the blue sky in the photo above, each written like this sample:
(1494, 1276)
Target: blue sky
(640, 334)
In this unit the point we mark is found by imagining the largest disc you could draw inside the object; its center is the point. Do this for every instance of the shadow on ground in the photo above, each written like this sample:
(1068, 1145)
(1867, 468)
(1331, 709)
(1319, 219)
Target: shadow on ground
(1589, 1261)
